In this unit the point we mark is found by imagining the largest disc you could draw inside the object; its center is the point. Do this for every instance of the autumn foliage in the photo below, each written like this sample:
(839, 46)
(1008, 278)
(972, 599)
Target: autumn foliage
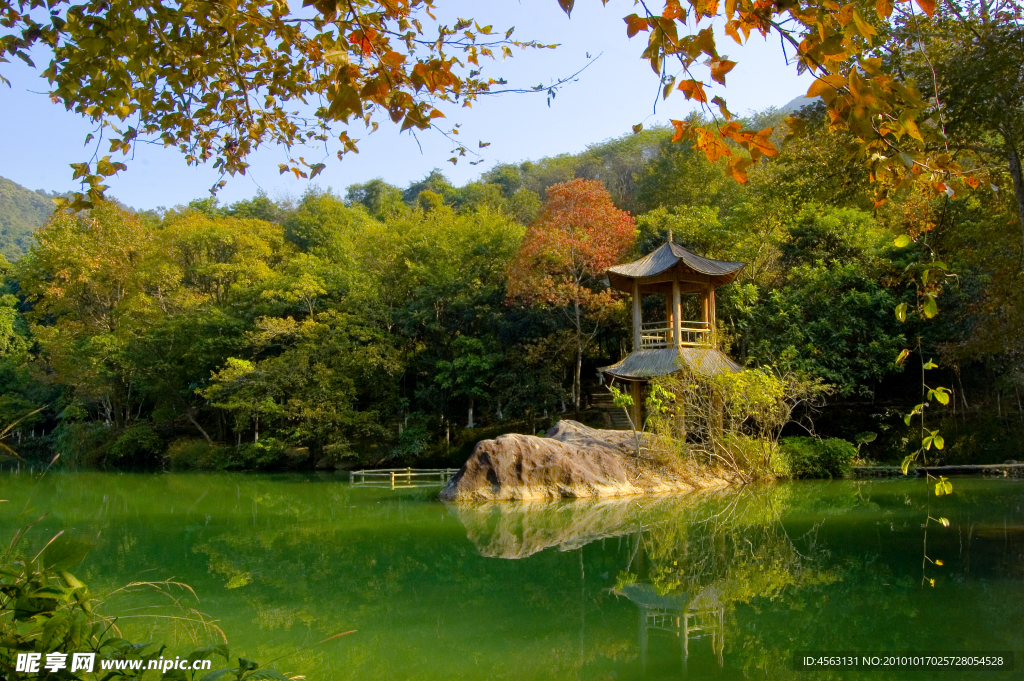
(565, 252)
(578, 235)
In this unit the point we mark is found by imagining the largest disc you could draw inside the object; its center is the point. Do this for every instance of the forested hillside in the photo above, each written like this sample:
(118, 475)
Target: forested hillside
(22, 211)
(381, 325)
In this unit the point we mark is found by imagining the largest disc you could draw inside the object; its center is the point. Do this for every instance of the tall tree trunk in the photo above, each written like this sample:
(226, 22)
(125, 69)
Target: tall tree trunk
(192, 418)
(1018, 192)
(579, 364)
(576, 381)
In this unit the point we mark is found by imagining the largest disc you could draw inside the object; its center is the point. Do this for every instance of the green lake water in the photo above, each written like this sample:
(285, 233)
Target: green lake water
(727, 585)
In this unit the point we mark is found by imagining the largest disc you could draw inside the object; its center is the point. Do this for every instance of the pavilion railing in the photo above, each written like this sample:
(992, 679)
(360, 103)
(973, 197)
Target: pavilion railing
(659, 334)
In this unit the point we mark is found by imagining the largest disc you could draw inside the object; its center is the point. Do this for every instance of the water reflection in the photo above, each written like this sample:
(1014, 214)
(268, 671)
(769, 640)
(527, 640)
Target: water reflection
(725, 584)
(691, 559)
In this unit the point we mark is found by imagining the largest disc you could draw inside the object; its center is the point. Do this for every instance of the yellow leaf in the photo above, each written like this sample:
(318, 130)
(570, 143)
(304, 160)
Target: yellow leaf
(711, 145)
(907, 121)
(865, 29)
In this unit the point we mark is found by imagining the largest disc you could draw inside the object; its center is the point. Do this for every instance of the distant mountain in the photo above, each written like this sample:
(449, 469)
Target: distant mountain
(798, 103)
(22, 211)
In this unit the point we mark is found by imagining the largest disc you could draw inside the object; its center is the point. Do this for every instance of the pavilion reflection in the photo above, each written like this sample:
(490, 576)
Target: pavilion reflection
(687, 619)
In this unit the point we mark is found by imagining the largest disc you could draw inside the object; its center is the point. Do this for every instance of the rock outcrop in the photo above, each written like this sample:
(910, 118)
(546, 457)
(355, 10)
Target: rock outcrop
(572, 461)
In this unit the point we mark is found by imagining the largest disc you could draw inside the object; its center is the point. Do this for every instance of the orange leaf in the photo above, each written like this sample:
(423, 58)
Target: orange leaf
(761, 142)
(682, 129)
(693, 89)
(720, 67)
(707, 8)
(730, 30)
(972, 181)
(635, 24)
(845, 14)
(928, 6)
(884, 8)
(362, 40)
(737, 167)
(673, 10)
(735, 132)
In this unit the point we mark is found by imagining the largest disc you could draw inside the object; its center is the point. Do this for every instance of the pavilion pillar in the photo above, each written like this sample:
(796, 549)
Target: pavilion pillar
(669, 315)
(677, 308)
(636, 392)
(637, 315)
(712, 318)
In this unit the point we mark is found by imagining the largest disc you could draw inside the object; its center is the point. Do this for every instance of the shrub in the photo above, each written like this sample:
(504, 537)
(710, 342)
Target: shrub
(734, 419)
(809, 457)
(136, 445)
(82, 443)
(254, 456)
(188, 453)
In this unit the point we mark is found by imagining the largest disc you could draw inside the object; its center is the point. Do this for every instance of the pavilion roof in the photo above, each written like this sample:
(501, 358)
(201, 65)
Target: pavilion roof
(645, 364)
(667, 256)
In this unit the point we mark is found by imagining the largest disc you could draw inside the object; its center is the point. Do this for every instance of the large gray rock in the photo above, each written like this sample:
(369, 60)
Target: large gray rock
(573, 460)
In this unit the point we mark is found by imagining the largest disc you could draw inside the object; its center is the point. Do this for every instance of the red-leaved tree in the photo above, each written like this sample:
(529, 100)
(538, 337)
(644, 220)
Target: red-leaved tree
(565, 252)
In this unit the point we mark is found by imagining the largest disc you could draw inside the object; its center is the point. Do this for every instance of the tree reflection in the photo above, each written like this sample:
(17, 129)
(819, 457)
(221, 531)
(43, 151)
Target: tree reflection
(690, 559)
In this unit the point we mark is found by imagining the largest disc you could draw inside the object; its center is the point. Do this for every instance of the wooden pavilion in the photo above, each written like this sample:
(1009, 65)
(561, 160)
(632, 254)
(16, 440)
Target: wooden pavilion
(663, 347)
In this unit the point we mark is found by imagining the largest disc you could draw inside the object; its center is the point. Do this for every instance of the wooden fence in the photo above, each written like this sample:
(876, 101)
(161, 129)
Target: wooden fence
(402, 478)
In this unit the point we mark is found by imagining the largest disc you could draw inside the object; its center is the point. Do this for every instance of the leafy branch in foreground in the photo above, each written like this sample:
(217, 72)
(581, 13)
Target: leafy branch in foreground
(219, 79)
(927, 279)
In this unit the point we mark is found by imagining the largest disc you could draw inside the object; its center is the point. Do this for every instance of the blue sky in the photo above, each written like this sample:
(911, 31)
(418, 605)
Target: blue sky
(615, 92)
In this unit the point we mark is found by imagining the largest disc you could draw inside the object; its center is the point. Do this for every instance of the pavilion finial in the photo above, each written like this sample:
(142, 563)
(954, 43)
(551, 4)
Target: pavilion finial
(670, 236)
